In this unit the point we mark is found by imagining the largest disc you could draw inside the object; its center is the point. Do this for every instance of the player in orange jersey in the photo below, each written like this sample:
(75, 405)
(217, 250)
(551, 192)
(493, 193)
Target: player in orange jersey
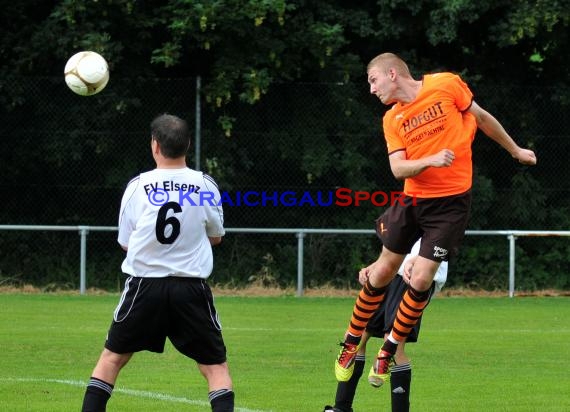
(429, 131)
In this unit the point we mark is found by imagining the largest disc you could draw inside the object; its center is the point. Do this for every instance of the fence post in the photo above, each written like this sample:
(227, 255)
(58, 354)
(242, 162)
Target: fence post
(198, 125)
(512, 239)
(83, 231)
(300, 237)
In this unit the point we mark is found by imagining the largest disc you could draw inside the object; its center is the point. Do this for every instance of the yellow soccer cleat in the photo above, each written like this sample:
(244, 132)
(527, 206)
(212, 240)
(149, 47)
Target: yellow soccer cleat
(344, 364)
(380, 370)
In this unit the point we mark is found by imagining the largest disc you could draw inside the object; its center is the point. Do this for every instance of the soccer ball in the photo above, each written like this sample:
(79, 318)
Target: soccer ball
(86, 73)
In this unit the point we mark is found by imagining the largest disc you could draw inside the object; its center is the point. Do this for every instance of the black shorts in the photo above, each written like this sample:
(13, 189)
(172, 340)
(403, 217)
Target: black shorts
(440, 222)
(381, 321)
(182, 309)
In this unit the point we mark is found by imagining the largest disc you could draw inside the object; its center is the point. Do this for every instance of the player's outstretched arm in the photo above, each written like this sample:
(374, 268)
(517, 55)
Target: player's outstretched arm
(492, 128)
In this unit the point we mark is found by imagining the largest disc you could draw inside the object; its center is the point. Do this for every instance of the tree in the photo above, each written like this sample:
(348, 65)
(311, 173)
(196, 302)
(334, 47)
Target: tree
(242, 47)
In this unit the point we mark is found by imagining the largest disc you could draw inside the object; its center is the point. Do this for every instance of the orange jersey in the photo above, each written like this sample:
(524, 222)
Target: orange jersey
(433, 121)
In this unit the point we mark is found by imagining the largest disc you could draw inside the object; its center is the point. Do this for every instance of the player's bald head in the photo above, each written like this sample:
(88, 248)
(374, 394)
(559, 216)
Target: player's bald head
(386, 61)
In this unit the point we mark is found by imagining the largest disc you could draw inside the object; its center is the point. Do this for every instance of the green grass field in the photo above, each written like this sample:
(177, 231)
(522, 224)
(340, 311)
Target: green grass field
(474, 354)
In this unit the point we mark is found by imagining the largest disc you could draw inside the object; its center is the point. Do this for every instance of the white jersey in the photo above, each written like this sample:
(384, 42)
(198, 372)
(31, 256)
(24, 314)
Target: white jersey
(165, 220)
(440, 276)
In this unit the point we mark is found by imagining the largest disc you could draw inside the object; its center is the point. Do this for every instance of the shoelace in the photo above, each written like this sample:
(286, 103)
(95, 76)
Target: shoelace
(381, 360)
(344, 353)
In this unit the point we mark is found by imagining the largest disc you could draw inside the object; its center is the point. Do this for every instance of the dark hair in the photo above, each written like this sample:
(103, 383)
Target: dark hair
(172, 134)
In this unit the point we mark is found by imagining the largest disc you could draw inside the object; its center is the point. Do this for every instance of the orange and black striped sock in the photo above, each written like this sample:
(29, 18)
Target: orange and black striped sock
(410, 310)
(366, 304)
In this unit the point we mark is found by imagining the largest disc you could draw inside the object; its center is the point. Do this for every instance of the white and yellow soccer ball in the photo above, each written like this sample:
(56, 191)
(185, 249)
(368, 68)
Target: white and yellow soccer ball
(86, 73)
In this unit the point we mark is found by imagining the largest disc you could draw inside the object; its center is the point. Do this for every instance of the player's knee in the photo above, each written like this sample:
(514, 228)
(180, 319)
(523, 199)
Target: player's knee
(116, 360)
(420, 284)
(218, 375)
(383, 274)
(422, 278)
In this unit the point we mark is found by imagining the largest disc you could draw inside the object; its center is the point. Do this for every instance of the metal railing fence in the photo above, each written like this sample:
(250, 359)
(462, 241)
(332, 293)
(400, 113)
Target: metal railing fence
(300, 234)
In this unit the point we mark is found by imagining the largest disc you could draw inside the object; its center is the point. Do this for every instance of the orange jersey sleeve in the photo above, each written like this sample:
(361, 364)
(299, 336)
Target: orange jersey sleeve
(434, 121)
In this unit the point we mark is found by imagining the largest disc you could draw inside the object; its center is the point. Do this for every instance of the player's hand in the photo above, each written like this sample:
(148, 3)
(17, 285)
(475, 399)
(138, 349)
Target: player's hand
(443, 158)
(525, 156)
(363, 275)
(408, 266)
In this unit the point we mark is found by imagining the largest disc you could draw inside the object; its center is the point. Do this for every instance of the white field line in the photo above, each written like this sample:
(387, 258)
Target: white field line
(131, 392)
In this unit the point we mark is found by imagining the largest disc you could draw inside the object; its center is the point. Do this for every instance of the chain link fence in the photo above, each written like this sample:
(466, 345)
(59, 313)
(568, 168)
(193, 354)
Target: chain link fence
(66, 160)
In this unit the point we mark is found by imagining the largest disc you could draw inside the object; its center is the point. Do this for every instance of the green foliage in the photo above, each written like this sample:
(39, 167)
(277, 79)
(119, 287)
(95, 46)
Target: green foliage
(51, 260)
(484, 196)
(483, 263)
(281, 39)
(527, 203)
(445, 20)
(542, 268)
(530, 20)
(243, 260)
(242, 48)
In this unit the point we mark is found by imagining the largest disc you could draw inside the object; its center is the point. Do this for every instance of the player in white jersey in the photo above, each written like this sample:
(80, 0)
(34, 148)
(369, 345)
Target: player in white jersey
(379, 326)
(169, 220)
(153, 214)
